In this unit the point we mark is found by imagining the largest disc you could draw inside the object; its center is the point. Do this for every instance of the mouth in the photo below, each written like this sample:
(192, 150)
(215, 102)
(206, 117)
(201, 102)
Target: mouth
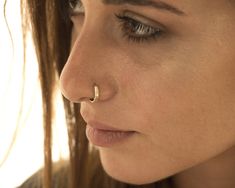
(106, 136)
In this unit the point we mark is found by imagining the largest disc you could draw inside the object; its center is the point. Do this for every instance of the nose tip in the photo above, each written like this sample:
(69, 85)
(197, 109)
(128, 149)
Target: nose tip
(72, 90)
(78, 91)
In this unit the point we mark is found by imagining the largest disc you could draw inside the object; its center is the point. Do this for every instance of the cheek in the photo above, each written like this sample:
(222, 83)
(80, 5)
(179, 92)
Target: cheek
(183, 120)
(189, 110)
(184, 113)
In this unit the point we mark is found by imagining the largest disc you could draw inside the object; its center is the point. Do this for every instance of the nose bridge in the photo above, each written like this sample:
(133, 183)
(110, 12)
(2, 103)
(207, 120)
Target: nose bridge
(86, 67)
(83, 58)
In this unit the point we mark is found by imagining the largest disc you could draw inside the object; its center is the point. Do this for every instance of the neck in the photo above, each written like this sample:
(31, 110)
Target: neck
(218, 172)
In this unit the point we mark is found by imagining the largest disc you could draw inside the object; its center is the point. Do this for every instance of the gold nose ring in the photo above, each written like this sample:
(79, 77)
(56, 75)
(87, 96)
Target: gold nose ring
(96, 94)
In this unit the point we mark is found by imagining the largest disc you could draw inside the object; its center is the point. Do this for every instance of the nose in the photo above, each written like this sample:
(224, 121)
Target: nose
(86, 67)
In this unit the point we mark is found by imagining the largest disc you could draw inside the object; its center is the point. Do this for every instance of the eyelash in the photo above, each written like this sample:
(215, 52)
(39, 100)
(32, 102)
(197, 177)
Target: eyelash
(72, 6)
(133, 30)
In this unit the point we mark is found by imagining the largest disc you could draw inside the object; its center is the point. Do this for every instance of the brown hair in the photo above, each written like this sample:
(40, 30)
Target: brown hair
(51, 30)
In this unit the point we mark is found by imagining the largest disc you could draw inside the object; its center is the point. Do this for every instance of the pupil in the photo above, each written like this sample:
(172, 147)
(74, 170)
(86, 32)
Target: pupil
(132, 26)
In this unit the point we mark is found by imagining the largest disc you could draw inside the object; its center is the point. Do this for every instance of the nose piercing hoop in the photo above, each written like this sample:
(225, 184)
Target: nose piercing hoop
(96, 94)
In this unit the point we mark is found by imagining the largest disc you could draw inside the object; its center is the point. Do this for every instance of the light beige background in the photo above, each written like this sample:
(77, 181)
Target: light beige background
(26, 155)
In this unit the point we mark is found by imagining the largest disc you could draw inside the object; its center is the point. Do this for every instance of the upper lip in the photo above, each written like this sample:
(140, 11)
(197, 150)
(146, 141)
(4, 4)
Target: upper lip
(105, 127)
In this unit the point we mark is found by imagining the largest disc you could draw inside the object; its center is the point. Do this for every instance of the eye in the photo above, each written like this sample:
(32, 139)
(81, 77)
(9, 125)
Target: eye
(137, 31)
(73, 3)
(75, 7)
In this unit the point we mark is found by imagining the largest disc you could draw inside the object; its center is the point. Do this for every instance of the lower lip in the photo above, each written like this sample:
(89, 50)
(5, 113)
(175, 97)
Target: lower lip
(106, 138)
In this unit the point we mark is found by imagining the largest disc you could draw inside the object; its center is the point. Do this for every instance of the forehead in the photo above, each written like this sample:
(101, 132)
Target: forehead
(199, 5)
(205, 8)
(187, 6)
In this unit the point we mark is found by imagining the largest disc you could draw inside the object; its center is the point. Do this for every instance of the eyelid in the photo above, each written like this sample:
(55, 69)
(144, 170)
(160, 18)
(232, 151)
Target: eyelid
(144, 20)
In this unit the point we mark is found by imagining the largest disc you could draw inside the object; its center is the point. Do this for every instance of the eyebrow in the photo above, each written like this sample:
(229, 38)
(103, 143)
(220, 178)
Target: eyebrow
(156, 4)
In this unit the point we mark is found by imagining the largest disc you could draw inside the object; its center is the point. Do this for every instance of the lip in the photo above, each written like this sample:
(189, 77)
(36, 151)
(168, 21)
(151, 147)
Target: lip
(103, 127)
(106, 136)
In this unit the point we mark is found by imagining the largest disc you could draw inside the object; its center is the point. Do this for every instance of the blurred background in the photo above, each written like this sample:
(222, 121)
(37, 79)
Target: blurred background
(21, 129)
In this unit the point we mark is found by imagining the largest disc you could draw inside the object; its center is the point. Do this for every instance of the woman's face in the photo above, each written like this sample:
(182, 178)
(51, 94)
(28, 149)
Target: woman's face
(166, 70)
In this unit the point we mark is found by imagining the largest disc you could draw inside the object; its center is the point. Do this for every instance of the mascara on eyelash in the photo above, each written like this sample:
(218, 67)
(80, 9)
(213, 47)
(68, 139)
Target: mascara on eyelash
(136, 31)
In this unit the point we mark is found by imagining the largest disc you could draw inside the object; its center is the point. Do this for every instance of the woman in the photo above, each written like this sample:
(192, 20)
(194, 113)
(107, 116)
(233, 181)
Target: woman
(153, 81)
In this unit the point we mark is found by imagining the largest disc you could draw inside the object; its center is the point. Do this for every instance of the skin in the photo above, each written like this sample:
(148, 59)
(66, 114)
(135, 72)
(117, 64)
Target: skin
(176, 92)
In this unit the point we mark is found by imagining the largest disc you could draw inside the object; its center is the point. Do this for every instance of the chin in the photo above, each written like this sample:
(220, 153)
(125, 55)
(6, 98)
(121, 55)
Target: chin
(125, 165)
(130, 176)
(129, 179)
